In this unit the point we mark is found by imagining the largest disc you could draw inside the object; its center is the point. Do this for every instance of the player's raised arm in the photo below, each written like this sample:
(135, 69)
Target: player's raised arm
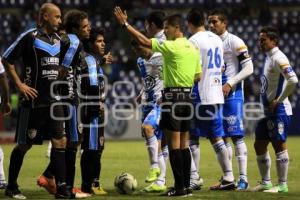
(121, 17)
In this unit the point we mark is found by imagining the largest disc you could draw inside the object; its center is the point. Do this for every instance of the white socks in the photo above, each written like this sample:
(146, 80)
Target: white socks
(195, 152)
(264, 166)
(222, 156)
(152, 147)
(2, 175)
(161, 179)
(229, 150)
(241, 155)
(282, 164)
(195, 159)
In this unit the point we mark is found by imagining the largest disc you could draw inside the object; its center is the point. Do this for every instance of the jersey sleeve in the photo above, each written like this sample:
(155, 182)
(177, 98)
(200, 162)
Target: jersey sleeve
(283, 65)
(160, 46)
(240, 50)
(70, 49)
(18, 48)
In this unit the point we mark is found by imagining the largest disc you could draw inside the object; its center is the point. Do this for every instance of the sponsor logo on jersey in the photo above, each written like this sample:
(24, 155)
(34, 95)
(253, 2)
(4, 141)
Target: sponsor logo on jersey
(264, 84)
(49, 61)
(50, 74)
(216, 82)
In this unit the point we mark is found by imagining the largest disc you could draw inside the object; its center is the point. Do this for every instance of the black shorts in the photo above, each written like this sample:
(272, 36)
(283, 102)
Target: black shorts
(93, 128)
(36, 124)
(176, 110)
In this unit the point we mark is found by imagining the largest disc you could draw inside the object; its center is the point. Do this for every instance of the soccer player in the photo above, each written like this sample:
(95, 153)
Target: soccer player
(150, 94)
(77, 29)
(150, 66)
(92, 94)
(278, 81)
(6, 110)
(238, 66)
(209, 98)
(39, 49)
(181, 66)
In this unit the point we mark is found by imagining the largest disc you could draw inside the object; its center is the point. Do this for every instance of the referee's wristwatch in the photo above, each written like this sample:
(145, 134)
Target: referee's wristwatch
(125, 24)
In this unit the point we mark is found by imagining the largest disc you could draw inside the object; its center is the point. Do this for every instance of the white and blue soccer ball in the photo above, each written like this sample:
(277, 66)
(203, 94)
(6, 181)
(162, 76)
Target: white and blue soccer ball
(125, 183)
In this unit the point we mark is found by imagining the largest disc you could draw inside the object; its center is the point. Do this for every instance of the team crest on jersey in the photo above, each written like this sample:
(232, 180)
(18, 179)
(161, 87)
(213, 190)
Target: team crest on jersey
(32, 133)
(280, 128)
(231, 119)
(149, 82)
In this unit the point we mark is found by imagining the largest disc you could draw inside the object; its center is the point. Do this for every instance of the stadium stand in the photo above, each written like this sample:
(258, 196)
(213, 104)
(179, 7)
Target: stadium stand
(246, 18)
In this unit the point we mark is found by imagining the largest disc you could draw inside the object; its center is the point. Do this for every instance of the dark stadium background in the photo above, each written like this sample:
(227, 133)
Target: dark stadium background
(246, 17)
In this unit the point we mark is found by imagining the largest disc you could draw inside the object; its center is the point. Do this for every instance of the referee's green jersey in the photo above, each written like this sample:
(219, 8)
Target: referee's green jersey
(181, 61)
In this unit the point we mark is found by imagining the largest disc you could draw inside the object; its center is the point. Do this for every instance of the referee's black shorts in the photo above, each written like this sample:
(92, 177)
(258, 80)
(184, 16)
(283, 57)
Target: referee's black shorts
(176, 109)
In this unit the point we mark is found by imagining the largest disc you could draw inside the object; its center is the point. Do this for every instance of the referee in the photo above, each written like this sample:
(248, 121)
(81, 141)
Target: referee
(180, 68)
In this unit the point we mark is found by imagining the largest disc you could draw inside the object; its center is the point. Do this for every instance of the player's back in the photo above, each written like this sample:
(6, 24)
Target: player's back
(211, 50)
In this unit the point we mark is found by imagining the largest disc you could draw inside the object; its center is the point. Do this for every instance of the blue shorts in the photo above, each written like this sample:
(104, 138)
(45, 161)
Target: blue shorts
(233, 118)
(151, 116)
(273, 128)
(207, 121)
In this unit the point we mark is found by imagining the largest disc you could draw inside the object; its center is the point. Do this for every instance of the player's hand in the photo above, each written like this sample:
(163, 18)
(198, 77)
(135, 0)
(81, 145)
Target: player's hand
(121, 16)
(226, 89)
(108, 58)
(6, 108)
(28, 92)
(101, 106)
(273, 105)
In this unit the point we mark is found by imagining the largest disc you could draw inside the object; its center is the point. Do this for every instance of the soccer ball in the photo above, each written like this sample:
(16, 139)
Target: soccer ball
(125, 183)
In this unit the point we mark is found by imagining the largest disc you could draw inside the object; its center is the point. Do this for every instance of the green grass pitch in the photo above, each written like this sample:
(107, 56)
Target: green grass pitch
(131, 156)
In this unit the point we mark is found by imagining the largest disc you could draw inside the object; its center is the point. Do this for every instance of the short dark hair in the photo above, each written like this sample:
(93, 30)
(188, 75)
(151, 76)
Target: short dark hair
(196, 17)
(72, 20)
(220, 13)
(271, 32)
(175, 20)
(94, 34)
(157, 18)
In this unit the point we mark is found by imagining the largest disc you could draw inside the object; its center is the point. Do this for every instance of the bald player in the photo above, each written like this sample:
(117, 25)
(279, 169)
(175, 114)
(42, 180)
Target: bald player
(39, 49)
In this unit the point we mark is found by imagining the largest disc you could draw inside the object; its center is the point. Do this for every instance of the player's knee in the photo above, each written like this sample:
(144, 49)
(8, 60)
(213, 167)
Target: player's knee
(237, 139)
(260, 147)
(147, 130)
(59, 143)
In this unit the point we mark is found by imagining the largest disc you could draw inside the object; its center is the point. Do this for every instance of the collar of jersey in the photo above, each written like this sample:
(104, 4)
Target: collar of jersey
(272, 51)
(224, 35)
